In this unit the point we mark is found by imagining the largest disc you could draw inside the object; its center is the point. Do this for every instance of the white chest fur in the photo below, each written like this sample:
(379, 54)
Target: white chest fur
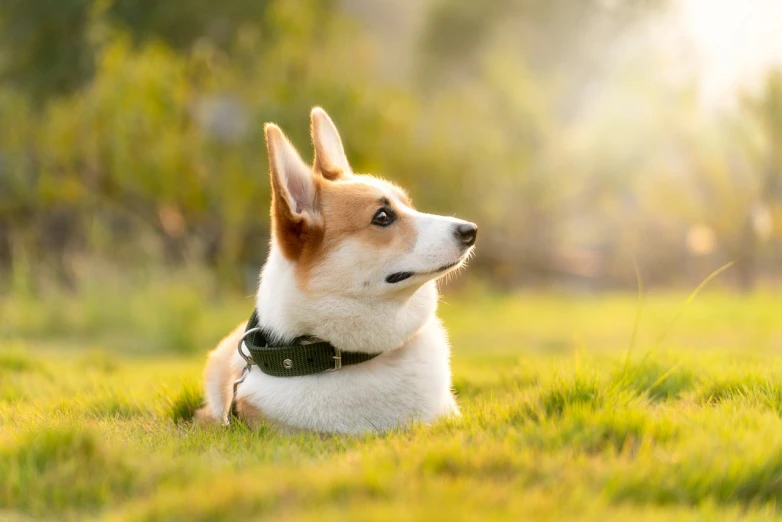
(410, 383)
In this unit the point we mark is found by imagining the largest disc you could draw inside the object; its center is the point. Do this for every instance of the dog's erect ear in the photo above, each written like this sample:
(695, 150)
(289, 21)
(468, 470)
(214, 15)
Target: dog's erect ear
(330, 159)
(295, 216)
(292, 181)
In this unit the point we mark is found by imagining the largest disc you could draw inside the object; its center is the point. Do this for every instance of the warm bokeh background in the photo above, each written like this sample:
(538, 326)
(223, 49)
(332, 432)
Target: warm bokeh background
(615, 153)
(584, 136)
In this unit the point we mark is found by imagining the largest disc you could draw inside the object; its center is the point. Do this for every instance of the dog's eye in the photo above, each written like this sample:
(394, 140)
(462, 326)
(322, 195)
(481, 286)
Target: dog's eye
(383, 217)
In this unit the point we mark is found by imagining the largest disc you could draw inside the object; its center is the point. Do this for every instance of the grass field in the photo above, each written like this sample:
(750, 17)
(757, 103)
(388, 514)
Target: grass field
(560, 420)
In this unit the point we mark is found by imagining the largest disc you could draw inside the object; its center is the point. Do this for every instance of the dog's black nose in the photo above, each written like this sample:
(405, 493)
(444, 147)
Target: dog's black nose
(466, 233)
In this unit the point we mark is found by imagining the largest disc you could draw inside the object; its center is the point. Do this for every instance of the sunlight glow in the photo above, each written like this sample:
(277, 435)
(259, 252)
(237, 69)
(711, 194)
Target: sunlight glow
(735, 43)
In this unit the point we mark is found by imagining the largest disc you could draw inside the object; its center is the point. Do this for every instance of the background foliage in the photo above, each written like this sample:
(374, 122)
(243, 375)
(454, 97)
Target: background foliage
(134, 218)
(130, 132)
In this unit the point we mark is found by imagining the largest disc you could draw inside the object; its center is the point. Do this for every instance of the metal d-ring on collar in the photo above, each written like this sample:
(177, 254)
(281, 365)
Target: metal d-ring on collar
(245, 372)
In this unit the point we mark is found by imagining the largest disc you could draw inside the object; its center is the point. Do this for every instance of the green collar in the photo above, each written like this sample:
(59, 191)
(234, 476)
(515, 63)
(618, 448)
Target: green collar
(301, 357)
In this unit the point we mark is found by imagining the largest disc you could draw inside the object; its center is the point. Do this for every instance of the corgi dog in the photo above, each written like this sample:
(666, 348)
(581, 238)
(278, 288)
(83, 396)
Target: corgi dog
(354, 265)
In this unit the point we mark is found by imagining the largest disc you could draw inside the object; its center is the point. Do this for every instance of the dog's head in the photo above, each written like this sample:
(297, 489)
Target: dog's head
(350, 234)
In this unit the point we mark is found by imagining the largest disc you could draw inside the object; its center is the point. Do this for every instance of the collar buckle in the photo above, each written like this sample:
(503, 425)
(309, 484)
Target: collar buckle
(337, 360)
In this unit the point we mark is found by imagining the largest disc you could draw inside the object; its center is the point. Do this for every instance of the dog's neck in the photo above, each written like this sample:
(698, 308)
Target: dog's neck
(353, 324)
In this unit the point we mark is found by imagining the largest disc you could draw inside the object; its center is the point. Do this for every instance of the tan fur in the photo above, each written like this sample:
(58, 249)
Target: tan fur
(296, 233)
(343, 206)
(221, 370)
(347, 208)
(249, 413)
(202, 416)
(325, 170)
(322, 164)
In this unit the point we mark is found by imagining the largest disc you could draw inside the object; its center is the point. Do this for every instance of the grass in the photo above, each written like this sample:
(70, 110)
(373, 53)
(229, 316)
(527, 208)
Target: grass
(558, 422)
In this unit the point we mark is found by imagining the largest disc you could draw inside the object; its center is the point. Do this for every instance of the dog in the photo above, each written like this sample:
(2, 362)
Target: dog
(352, 266)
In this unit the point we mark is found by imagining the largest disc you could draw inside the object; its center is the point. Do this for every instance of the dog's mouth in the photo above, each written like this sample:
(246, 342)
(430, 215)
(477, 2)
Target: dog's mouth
(398, 277)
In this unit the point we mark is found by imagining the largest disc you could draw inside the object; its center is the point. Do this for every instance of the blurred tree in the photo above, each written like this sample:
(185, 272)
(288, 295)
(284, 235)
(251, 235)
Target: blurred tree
(765, 108)
(47, 47)
(149, 146)
(561, 39)
(765, 111)
(181, 24)
(526, 63)
(160, 156)
(732, 183)
(44, 45)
